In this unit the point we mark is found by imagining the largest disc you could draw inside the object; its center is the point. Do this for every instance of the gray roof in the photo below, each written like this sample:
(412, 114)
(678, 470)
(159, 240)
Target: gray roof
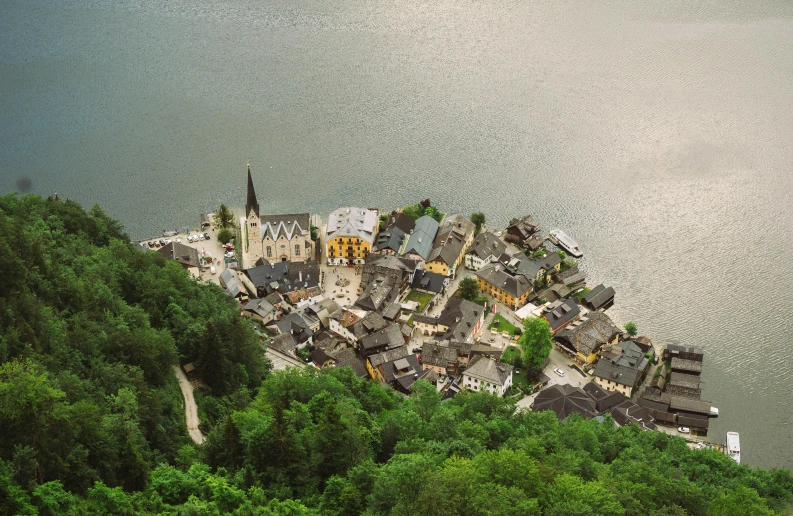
(392, 312)
(599, 297)
(183, 254)
(438, 354)
(388, 355)
(388, 338)
(260, 307)
(624, 370)
(604, 400)
(497, 275)
(690, 381)
(401, 221)
(571, 276)
(450, 240)
(460, 315)
(681, 364)
(629, 412)
(522, 264)
(485, 368)
(352, 222)
(561, 312)
(289, 225)
(368, 324)
(487, 244)
(293, 323)
(550, 260)
(285, 343)
(565, 400)
(687, 404)
(348, 358)
(429, 281)
(232, 284)
(402, 370)
(524, 226)
(588, 334)
(391, 239)
(378, 294)
(284, 277)
(420, 241)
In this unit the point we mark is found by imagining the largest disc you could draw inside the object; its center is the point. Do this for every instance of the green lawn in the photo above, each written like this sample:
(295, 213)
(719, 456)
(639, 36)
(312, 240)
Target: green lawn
(500, 324)
(421, 298)
(519, 380)
(510, 354)
(583, 292)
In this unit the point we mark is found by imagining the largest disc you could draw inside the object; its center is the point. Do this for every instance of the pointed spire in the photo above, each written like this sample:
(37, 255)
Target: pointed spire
(252, 203)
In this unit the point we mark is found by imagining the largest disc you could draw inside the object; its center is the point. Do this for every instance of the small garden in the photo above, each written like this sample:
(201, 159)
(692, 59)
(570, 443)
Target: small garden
(501, 325)
(420, 297)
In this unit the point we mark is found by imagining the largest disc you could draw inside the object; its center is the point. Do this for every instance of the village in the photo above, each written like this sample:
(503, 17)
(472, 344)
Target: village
(415, 294)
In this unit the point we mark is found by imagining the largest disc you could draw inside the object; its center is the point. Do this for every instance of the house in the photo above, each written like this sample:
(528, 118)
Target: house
(583, 340)
(564, 400)
(374, 363)
(460, 320)
(572, 277)
(628, 412)
(686, 352)
(429, 282)
(486, 374)
(295, 324)
(485, 248)
(599, 298)
(260, 310)
(681, 365)
(521, 264)
(389, 241)
(233, 285)
(351, 233)
(399, 220)
(623, 372)
(504, 284)
(285, 343)
(684, 384)
(550, 261)
(322, 359)
(383, 279)
(418, 246)
(348, 358)
(455, 235)
(285, 278)
(389, 337)
(440, 357)
(273, 237)
(321, 311)
(378, 295)
(604, 400)
(560, 313)
(352, 325)
(186, 256)
(484, 350)
(402, 373)
(520, 230)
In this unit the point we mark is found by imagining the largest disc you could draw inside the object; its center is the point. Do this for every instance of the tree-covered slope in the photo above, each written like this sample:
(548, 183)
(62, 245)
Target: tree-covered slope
(91, 418)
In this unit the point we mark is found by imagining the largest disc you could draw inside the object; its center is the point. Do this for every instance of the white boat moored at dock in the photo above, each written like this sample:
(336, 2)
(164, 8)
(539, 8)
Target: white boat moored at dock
(734, 446)
(566, 243)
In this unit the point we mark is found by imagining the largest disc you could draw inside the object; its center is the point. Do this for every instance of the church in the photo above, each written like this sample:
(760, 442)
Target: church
(273, 238)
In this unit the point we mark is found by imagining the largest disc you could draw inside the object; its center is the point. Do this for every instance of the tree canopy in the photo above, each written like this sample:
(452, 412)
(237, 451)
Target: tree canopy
(224, 217)
(468, 288)
(478, 219)
(630, 328)
(535, 341)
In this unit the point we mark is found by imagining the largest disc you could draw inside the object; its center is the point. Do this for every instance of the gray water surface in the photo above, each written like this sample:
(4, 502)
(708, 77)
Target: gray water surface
(658, 137)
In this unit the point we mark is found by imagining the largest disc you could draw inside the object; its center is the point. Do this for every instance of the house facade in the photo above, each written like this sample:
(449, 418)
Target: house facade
(351, 233)
(486, 374)
(485, 248)
(504, 285)
(622, 370)
(455, 236)
(583, 340)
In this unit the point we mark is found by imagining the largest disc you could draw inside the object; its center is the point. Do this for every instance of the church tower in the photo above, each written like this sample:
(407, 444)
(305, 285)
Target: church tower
(253, 234)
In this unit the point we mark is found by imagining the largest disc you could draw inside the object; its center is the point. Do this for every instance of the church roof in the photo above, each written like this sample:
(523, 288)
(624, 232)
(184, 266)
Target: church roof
(252, 203)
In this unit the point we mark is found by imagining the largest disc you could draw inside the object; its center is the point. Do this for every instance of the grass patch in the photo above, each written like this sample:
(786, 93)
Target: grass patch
(500, 324)
(583, 292)
(420, 297)
(510, 354)
(520, 380)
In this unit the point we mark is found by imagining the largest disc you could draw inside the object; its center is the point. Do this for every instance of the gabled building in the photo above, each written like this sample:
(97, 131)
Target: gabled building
(285, 277)
(440, 357)
(374, 363)
(351, 233)
(273, 237)
(560, 313)
(259, 310)
(185, 255)
(399, 220)
(418, 245)
(388, 338)
(402, 373)
(429, 282)
(297, 325)
(460, 320)
(504, 285)
(348, 358)
(522, 229)
(389, 241)
(233, 285)
(521, 264)
(455, 236)
(622, 372)
(353, 325)
(599, 298)
(485, 374)
(485, 248)
(583, 340)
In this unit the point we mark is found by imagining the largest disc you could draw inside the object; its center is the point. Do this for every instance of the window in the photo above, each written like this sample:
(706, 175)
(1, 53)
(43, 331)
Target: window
(269, 252)
(297, 250)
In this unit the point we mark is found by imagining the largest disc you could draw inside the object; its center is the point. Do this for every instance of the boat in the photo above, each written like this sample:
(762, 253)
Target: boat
(734, 446)
(566, 243)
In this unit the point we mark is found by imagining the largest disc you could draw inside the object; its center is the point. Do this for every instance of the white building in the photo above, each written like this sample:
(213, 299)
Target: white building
(485, 248)
(351, 233)
(485, 374)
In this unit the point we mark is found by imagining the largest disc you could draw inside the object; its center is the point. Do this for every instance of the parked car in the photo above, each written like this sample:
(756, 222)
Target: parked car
(558, 371)
(684, 430)
(178, 240)
(162, 242)
(212, 270)
(206, 236)
(150, 244)
(229, 254)
(200, 237)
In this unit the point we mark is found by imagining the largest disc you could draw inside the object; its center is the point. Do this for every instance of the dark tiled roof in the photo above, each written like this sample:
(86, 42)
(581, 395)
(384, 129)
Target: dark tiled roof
(378, 294)
(183, 254)
(260, 307)
(599, 297)
(388, 355)
(624, 370)
(561, 312)
(523, 227)
(288, 225)
(284, 277)
(390, 239)
(502, 278)
(370, 323)
(565, 400)
(429, 281)
(589, 334)
(690, 366)
(388, 338)
(450, 240)
(348, 358)
(285, 343)
(488, 369)
(460, 316)
(486, 244)
(252, 203)
(399, 220)
(438, 354)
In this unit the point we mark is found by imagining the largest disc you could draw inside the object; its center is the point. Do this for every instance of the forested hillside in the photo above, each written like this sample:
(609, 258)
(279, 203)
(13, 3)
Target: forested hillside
(92, 423)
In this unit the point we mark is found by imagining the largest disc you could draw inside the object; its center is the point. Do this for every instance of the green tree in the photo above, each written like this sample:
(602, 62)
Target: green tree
(630, 328)
(468, 288)
(413, 211)
(535, 341)
(432, 211)
(224, 218)
(225, 235)
(478, 219)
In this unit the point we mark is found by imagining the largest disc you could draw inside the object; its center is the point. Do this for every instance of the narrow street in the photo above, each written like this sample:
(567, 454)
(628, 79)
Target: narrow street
(190, 407)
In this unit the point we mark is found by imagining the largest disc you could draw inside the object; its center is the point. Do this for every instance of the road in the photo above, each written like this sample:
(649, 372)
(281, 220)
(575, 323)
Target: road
(190, 408)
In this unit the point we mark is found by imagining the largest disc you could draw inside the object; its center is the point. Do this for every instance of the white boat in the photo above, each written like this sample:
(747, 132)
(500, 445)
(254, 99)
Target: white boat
(566, 243)
(734, 446)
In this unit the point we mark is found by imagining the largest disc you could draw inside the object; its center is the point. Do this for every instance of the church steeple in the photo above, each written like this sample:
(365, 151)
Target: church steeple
(252, 203)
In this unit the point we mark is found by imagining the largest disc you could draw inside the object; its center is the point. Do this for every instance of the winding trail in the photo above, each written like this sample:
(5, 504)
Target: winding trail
(190, 408)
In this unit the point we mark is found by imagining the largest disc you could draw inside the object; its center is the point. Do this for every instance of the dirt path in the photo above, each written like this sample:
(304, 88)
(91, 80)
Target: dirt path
(190, 408)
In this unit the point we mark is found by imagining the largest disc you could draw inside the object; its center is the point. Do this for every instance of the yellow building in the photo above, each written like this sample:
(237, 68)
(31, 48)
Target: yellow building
(504, 285)
(350, 235)
(455, 235)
